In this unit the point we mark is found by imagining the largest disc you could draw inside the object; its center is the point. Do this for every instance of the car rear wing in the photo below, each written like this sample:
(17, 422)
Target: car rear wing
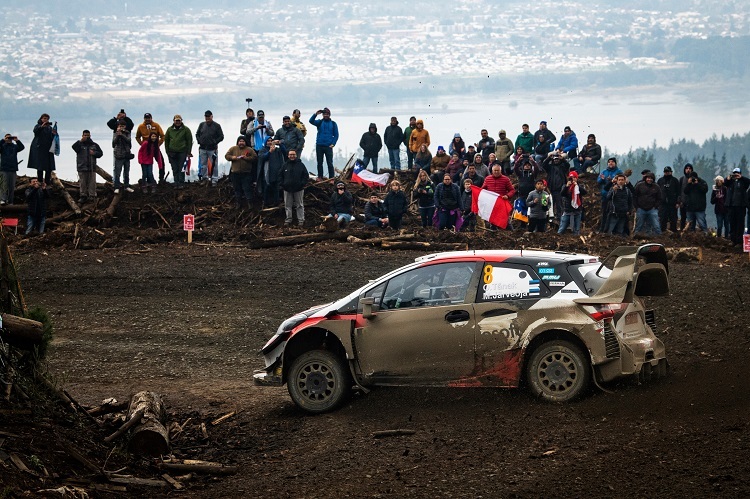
(651, 278)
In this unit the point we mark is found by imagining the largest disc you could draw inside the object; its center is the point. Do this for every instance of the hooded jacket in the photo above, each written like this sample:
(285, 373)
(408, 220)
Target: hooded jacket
(418, 137)
(371, 143)
(568, 144)
(670, 189)
(695, 195)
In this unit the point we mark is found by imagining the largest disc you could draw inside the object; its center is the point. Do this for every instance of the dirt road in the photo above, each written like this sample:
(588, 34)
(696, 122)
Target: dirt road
(187, 323)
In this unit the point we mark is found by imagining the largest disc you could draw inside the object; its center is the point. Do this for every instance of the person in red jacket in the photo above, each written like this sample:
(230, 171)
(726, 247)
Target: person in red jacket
(499, 183)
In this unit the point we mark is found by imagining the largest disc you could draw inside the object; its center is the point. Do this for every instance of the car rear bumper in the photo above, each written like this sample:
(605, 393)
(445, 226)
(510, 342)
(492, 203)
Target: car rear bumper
(264, 378)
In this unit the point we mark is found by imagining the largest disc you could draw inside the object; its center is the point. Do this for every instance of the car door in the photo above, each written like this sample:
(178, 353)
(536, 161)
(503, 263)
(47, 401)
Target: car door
(422, 331)
(504, 295)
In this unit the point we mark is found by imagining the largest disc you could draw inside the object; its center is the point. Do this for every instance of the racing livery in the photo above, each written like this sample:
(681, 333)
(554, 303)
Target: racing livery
(554, 321)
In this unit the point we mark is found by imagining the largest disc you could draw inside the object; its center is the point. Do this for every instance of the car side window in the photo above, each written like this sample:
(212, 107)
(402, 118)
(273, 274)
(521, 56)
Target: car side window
(505, 282)
(376, 293)
(429, 286)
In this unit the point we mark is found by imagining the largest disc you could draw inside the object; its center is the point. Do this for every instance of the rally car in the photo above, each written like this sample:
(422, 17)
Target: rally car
(552, 321)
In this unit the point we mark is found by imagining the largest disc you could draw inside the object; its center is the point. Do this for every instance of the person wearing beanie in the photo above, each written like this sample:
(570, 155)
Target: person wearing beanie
(371, 144)
(670, 189)
(647, 199)
(687, 171)
(737, 203)
(438, 164)
(695, 202)
(328, 135)
(393, 137)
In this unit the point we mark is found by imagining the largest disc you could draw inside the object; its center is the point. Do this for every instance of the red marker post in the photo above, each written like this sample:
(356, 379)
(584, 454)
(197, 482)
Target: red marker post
(188, 223)
(746, 244)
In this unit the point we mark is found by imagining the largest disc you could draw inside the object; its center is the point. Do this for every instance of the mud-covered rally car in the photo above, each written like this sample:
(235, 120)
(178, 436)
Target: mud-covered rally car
(550, 320)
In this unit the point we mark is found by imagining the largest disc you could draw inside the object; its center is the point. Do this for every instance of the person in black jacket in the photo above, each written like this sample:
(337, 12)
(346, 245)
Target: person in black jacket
(620, 205)
(36, 197)
(342, 205)
(9, 149)
(294, 178)
(396, 205)
(695, 202)
(393, 137)
(470, 218)
(41, 155)
(371, 144)
(87, 152)
(121, 116)
(737, 203)
(375, 212)
(671, 191)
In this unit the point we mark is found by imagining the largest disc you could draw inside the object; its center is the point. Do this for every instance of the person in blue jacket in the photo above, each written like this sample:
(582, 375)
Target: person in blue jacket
(605, 180)
(328, 135)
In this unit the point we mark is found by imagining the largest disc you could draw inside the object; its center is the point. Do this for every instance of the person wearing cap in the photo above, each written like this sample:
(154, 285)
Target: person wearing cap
(342, 205)
(737, 203)
(719, 200)
(209, 135)
(244, 124)
(418, 136)
(178, 142)
(298, 123)
(260, 130)
(392, 137)
(145, 128)
(122, 152)
(525, 139)
(606, 180)
(121, 116)
(371, 144)
(544, 141)
(438, 164)
(294, 178)
(590, 155)
(328, 135)
(243, 159)
(503, 151)
(9, 149)
(289, 136)
(695, 202)
(647, 199)
(572, 204)
(670, 190)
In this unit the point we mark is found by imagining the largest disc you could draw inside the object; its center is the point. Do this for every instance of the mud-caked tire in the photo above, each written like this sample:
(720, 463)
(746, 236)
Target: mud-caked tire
(319, 381)
(558, 371)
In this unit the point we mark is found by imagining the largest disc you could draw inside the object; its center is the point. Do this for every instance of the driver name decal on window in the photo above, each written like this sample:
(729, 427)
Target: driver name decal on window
(503, 283)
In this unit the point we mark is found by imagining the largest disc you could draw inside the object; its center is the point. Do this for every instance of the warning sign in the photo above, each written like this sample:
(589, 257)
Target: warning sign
(188, 222)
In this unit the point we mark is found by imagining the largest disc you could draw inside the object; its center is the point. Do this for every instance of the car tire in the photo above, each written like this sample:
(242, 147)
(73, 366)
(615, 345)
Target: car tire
(319, 381)
(558, 371)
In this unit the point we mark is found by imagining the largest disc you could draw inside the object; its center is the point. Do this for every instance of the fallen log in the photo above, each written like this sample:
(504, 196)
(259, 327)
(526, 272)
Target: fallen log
(419, 245)
(19, 332)
(68, 199)
(133, 420)
(14, 209)
(688, 254)
(375, 241)
(150, 436)
(273, 242)
(108, 407)
(208, 468)
(103, 174)
(110, 211)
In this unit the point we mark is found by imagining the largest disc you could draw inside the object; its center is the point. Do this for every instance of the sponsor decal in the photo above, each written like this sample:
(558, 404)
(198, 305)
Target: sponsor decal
(546, 271)
(551, 277)
(569, 291)
(542, 264)
(557, 284)
(502, 283)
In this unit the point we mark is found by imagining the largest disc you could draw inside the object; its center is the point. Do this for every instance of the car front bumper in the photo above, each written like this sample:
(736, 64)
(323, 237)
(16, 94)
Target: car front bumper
(264, 378)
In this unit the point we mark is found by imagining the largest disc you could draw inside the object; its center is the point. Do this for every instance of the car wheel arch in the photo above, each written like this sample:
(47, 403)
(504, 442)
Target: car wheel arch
(314, 338)
(547, 336)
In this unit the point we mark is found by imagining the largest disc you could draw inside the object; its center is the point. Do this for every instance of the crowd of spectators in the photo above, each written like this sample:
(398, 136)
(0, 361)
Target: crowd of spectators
(538, 175)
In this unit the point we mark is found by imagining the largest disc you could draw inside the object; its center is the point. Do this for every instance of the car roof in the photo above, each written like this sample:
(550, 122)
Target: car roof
(504, 255)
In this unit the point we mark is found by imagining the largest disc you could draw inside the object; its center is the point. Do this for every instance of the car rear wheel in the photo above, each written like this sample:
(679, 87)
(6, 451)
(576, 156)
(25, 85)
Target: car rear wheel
(558, 371)
(318, 381)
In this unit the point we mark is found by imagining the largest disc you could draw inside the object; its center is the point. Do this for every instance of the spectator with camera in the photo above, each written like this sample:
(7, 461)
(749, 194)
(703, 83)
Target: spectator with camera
(260, 130)
(87, 152)
(695, 202)
(328, 135)
(121, 150)
(289, 136)
(9, 149)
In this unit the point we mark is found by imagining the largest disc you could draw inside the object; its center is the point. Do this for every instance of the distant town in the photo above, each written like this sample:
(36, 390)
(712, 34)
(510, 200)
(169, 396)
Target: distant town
(48, 57)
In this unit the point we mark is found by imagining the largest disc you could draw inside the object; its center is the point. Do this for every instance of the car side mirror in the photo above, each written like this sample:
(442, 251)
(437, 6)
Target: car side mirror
(368, 307)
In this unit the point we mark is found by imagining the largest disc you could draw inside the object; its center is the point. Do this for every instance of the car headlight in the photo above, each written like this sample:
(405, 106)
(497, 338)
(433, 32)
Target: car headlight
(291, 323)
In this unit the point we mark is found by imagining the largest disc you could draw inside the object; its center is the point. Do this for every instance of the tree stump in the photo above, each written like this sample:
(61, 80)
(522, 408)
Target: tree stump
(149, 436)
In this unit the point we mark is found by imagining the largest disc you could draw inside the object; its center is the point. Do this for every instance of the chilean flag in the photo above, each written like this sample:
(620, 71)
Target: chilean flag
(362, 175)
(490, 206)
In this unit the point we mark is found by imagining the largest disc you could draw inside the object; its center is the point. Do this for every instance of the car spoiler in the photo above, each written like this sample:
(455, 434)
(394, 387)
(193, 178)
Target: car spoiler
(651, 279)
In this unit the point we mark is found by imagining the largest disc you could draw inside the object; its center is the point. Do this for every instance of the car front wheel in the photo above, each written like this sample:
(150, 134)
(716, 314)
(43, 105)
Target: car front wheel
(558, 371)
(318, 381)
